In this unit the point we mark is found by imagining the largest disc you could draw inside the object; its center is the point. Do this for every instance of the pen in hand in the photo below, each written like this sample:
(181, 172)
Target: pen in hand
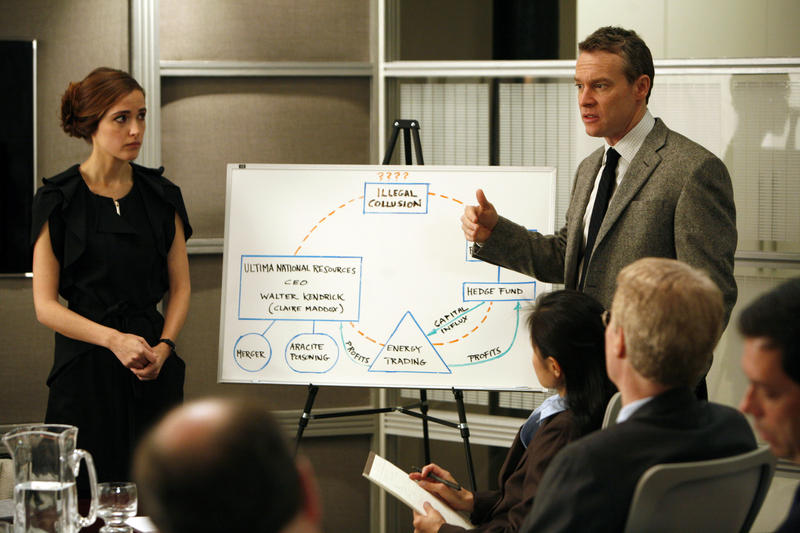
(454, 486)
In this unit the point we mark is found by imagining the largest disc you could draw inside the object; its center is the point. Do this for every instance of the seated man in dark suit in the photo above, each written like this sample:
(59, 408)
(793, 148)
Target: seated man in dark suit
(771, 361)
(222, 465)
(666, 318)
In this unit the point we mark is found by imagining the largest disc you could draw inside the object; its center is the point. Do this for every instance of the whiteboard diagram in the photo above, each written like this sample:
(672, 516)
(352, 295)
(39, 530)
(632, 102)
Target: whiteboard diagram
(360, 275)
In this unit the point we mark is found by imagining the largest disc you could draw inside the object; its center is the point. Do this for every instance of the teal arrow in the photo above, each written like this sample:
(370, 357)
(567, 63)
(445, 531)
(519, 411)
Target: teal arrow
(434, 330)
(516, 330)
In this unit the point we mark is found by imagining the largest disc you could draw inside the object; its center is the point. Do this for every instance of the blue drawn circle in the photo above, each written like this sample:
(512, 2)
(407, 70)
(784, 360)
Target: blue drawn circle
(252, 338)
(328, 343)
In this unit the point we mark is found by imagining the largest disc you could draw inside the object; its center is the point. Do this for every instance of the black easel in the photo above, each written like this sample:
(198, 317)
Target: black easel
(409, 127)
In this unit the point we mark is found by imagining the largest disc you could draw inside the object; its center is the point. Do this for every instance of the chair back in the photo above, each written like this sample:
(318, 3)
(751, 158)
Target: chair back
(612, 410)
(716, 495)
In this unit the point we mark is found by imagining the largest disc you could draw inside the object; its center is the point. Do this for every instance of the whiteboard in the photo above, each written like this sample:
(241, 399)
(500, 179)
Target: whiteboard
(361, 276)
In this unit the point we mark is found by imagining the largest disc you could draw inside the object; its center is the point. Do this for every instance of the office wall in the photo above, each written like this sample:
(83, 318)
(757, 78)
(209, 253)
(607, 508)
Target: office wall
(265, 30)
(256, 120)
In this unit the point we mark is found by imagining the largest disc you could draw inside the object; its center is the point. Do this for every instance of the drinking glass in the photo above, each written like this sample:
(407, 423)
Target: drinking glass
(116, 502)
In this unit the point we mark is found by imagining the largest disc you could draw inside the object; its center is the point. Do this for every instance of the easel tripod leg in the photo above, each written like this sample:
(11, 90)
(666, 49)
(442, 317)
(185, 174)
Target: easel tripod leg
(417, 146)
(388, 157)
(423, 407)
(407, 145)
(462, 425)
(306, 416)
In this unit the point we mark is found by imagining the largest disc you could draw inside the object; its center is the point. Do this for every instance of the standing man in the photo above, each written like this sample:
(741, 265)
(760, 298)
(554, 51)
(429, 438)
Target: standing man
(665, 320)
(648, 192)
(771, 361)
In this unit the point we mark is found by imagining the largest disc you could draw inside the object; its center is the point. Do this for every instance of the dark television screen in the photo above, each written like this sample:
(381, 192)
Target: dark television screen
(17, 153)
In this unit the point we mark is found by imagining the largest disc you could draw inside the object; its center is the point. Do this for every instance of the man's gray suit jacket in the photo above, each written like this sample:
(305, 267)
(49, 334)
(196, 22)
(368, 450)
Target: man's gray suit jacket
(590, 483)
(675, 201)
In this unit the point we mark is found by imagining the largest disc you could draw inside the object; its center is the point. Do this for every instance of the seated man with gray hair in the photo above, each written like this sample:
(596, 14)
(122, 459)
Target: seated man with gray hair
(222, 465)
(665, 320)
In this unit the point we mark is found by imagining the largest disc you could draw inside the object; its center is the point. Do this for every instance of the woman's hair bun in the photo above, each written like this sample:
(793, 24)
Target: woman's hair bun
(69, 122)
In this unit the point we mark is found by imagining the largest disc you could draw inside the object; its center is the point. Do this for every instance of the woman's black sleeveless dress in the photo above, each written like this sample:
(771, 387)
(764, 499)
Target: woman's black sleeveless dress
(113, 270)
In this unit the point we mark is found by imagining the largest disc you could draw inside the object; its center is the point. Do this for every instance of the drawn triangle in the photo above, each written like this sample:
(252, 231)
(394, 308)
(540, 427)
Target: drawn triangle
(409, 350)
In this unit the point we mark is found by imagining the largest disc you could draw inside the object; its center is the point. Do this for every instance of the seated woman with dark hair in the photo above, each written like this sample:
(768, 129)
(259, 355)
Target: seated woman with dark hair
(568, 336)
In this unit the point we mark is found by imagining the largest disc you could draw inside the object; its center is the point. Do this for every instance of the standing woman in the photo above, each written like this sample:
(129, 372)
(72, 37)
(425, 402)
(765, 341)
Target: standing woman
(110, 238)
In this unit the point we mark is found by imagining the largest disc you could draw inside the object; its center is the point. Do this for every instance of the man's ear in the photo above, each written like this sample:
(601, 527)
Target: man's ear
(617, 343)
(312, 506)
(642, 86)
(623, 351)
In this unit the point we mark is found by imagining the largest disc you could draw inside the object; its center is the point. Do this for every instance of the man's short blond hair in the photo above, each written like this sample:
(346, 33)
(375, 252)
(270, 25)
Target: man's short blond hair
(671, 316)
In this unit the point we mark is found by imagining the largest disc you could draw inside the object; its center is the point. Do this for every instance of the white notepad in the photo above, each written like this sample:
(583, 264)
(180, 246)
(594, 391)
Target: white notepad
(397, 483)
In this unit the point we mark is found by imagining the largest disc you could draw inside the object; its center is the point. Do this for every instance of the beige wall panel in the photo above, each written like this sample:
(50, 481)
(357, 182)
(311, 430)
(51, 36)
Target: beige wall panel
(338, 463)
(718, 28)
(26, 355)
(208, 123)
(258, 30)
(732, 28)
(678, 29)
(644, 16)
(446, 29)
(783, 39)
(198, 345)
(73, 38)
(567, 43)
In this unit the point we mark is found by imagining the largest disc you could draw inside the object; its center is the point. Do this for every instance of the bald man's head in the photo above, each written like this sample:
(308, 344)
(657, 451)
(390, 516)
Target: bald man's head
(218, 465)
(194, 430)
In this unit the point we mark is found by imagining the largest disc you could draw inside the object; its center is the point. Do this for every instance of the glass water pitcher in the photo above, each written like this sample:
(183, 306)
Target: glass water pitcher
(46, 464)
